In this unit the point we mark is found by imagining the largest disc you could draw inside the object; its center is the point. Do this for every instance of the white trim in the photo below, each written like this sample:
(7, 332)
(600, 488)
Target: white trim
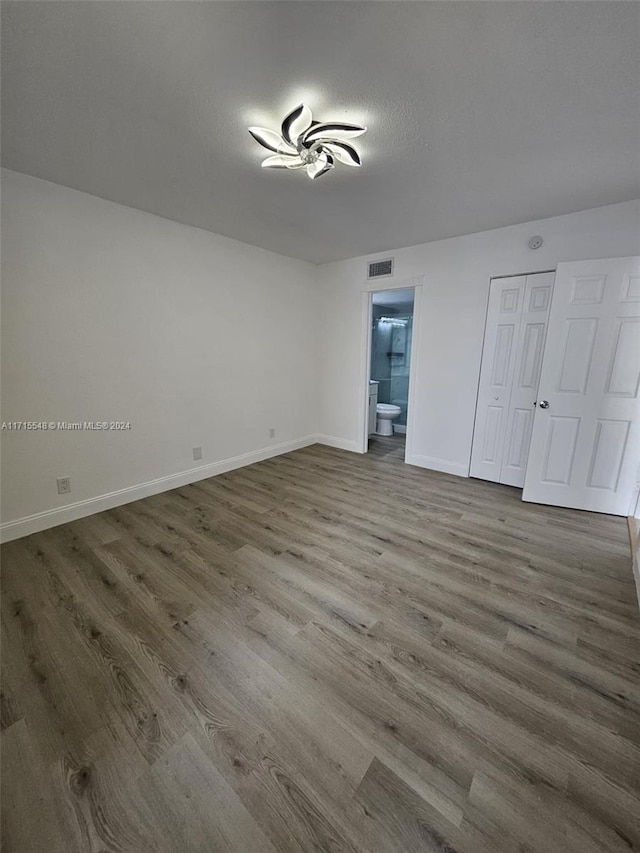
(413, 371)
(634, 541)
(61, 515)
(634, 505)
(368, 288)
(362, 444)
(406, 284)
(434, 464)
(399, 428)
(636, 577)
(339, 443)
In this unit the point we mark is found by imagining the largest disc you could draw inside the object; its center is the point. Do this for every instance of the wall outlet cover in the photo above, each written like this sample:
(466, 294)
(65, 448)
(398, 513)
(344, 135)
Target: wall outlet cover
(197, 453)
(272, 432)
(64, 485)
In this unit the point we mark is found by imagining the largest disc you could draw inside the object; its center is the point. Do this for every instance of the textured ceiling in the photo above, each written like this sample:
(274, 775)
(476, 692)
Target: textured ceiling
(479, 114)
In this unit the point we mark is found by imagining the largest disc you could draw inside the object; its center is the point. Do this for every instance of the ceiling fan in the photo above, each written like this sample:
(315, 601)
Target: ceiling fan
(307, 144)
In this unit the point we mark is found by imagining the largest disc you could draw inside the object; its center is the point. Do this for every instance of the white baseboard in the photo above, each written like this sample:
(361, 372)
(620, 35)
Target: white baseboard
(61, 515)
(434, 464)
(634, 538)
(339, 443)
(400, 429)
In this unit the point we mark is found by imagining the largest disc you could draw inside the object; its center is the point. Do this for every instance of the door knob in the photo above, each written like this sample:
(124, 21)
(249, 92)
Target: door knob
(544, 404)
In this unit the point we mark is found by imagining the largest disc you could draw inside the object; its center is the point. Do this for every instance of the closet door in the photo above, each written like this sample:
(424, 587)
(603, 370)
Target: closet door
(585, 447)
(501, 338)
(526, 376)
(511, 361)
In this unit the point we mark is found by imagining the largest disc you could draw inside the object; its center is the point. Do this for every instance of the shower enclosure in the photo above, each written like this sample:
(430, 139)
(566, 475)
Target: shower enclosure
(392, 325)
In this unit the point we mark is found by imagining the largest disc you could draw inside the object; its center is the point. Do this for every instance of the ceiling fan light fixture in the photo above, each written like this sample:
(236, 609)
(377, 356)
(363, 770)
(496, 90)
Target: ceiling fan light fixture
(307, 144)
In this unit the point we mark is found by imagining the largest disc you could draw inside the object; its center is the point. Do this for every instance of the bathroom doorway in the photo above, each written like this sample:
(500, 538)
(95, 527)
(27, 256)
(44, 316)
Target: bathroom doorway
(391, 332)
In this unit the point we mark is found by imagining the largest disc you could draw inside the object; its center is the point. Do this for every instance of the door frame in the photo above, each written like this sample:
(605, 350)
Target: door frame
(368, 290)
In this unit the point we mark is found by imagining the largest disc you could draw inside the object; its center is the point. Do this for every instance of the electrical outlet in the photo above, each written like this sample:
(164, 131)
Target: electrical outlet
(197, 453)
(272, 432)
(64, 485)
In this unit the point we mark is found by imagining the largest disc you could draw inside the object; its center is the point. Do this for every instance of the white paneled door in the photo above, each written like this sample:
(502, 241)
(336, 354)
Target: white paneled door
(511, 360)
(585, 445)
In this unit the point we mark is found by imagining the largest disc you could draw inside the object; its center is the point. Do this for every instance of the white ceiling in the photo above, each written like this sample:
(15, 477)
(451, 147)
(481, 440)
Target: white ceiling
(479, 114)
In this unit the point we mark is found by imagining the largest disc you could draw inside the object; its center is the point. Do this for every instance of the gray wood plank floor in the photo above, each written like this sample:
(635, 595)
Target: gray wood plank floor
(323, 652)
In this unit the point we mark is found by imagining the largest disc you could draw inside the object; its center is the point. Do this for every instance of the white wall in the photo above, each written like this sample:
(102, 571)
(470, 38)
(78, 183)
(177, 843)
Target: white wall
(109, 314)
(451, 323)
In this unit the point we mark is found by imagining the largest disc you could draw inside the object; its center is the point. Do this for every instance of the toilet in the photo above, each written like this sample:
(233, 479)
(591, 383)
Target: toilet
(385, 413)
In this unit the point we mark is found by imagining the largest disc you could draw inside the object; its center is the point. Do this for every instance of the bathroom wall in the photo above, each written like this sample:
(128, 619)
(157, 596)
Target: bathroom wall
(400, 368)
(392, 372)
(380, 362)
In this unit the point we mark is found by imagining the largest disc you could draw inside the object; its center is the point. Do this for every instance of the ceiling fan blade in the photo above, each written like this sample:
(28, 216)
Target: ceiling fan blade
(282, 161)
(296, 123)
(267, 138)
(333, 130)
(344, 153)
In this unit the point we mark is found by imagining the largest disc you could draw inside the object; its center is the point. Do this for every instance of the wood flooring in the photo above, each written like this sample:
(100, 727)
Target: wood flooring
(323, 652)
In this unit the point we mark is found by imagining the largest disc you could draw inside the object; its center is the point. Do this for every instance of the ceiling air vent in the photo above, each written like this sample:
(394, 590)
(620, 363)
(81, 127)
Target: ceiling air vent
(380, 269)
